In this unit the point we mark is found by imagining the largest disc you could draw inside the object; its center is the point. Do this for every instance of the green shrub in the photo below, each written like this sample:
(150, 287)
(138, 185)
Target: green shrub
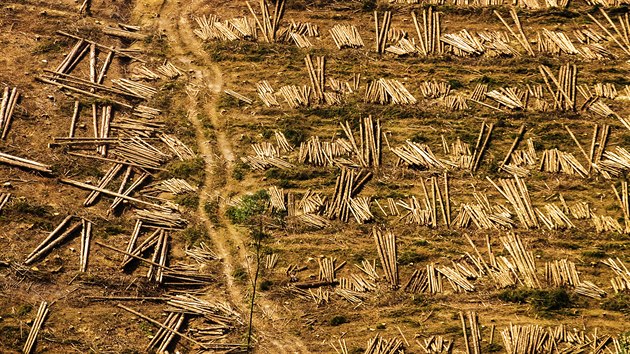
(23, 206)
(190, 200)
(368, 5)
(338, 320)
(212, 211)
(239, 273)
(266, 285)
(250, 206)
(195, 234)
(189, 170)
(594, 254)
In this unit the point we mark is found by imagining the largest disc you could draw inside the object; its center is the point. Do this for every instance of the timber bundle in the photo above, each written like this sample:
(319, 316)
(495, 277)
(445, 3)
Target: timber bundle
(212, 28)
(388, 91)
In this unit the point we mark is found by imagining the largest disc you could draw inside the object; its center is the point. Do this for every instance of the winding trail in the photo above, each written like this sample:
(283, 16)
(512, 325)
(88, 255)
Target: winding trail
(173, 18)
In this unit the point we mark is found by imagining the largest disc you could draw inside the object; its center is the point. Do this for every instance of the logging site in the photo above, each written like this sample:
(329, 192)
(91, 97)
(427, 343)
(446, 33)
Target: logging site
(315, 176)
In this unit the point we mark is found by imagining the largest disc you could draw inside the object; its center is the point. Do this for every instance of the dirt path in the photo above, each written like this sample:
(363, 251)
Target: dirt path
(173, 19)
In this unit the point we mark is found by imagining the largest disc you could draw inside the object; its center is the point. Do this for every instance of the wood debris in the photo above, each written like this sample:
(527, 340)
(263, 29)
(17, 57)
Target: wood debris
(368, 148)
(4, 199)
(472, 343)
(24, 163)
(269, 23)
(42, 313)
(429, 32)
(9, 100)
(238, 96)
(64, 230)
(621, 281)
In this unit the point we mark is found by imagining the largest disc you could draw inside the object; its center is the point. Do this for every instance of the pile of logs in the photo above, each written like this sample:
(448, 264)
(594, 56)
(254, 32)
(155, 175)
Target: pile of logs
(523, 261)
(348, 184)
(621, 282)
(276, 197)
(556, 161)
(324, 153)
(346, 36)
(415, 154)
(429, 32)
(238, 96)
(173, 185)
(266, 93)
(622, 39)
(317, 76)
(472, 343)
(388, 91)
(266, 156)
(269, 23)
(387, 252)
(520, 37)
(566, 82)
(606, 223)
(434, 89)
(516, 193)
(380, 345)
(561, 273)
(211, 28)
(296, 96)
(368, 148)
(436, 345)
(624, 202)
(9, 101)
(382, 31)
(555, 218)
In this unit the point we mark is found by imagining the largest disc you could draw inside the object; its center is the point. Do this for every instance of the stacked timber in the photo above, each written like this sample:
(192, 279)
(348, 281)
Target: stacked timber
(580, 211)
(624, 202)
(588, 289)
(212, 28)
(317, 76)
(164, 219)
(178, 147)
(269, 22)
(380, 345)
(523, 260)
(554, 218)
(420, 155)
(606, 223)
(388, 91)
(238, 96)
(403, 47)
(169, 70)
(266, 93)
(368, 148)
(346, 36)
(436, 345)
(621, 39)
(382, 31)
(174, 186)
(515, 336)
(516, 193)
(463, 43)
(325, 153)
(561, 273)
(472, 343)
(277, 197)
(556, 161)
(621, 281)
(429, 32)
(387, 251)
(144, 73)
(565, 93)
(295, 96)
(520, 37)
(9, 100)
(455, 102)
(434, 89)
(510, 97)
(266, 156)
(348, 184)
(614, 163)
(436, 202)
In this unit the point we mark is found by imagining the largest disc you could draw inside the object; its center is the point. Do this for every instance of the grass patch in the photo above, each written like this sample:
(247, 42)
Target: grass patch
(338, 320)
(540, 300)
(619, 302)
